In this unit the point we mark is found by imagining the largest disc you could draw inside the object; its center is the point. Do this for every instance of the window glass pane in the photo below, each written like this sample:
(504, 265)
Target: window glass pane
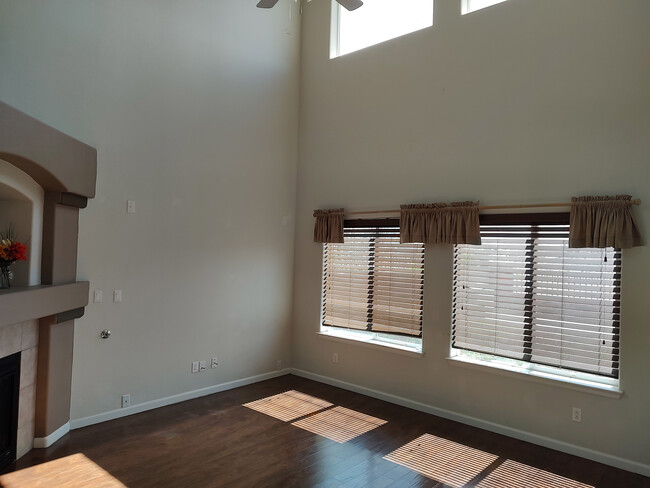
(380, 20)
(373, 283)
(473, 5)
(490, 286)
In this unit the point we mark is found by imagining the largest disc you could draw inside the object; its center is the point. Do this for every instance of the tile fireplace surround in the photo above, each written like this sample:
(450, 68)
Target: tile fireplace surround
(23, 338)
(38, 320)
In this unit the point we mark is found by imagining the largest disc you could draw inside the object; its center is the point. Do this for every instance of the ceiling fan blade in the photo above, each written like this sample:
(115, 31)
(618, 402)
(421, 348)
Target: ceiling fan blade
(350, 4)
(267, 3)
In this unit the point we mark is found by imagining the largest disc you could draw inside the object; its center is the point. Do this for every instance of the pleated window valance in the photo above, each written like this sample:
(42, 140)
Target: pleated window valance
(329, 225)
(440, 223)
(605, 221)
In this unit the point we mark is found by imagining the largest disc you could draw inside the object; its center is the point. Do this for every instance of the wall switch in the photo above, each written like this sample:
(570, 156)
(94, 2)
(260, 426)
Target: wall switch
(98, 296)
(126, 401)
(214, 363)
(130, 206)
(576, 416)
(335, 357)
(202, 366)
(278, 364)
(195, 367)
(117, 296)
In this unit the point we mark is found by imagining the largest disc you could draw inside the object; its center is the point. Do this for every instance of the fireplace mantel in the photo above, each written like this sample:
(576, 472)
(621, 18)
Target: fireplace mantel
(33, 302)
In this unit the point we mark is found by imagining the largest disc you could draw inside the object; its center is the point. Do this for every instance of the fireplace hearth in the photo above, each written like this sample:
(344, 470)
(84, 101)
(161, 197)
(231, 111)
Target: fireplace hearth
(9, 390)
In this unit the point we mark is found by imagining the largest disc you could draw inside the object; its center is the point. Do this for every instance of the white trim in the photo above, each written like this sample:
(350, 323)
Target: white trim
(43, 442)
(601, 457)
(181, 397)
(335, 19)
(556, 380)
(374, 344)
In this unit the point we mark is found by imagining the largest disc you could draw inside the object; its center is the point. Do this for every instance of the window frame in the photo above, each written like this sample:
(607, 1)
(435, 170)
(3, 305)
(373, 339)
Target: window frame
(466, 6)
(552, 373)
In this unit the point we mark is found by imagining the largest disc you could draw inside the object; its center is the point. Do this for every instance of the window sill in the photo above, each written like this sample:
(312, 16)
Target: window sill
(374, 344)
(537, 377)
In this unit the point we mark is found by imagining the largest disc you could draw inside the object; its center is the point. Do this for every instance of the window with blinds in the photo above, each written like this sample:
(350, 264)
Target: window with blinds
(373, 283)
(524, 295)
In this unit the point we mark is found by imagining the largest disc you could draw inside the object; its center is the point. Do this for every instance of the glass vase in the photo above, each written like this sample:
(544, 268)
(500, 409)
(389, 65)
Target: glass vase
(6, 276)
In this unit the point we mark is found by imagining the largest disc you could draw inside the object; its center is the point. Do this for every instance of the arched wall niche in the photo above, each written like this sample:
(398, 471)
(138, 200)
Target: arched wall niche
(56, 161)
(21, 206)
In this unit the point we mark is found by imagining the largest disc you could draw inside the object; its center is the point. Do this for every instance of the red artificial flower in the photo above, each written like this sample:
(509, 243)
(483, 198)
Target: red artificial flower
(17, 251)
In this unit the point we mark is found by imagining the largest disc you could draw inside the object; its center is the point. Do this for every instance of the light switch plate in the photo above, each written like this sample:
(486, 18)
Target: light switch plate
(130, 206)
(117, 296)
(98, 296)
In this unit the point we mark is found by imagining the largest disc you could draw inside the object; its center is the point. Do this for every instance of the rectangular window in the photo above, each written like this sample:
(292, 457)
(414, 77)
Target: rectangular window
(377, 21)
(373, 285)
(524, 298)
(470, 6)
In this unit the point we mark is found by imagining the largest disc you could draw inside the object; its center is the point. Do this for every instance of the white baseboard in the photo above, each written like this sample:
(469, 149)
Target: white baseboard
(597, 456)
(43, 442)
(181, 397)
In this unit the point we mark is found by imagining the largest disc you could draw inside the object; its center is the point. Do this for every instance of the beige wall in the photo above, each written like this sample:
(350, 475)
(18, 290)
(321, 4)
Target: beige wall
(527, 101)
(193, 109)
(192, 106)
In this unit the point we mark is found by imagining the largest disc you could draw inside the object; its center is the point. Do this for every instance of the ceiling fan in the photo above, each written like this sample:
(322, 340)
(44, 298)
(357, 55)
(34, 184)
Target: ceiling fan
(348, 4)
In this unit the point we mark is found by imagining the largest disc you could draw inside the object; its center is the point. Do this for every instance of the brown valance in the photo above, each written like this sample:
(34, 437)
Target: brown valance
(603, 222)
(440, 223)
(329, 225)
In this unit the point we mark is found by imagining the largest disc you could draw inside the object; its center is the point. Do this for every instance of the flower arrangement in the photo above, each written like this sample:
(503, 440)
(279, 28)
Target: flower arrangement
(10, 251)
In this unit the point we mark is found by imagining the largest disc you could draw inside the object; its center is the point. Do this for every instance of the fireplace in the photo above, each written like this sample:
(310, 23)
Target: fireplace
(46, 178)
(9, 388)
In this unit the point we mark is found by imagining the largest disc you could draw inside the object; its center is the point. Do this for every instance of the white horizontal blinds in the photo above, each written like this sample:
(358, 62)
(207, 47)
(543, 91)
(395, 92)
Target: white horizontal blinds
(492, 307)
(525, 295)
(347, 283)
(398, 286)
(577, 307)
(372, 282)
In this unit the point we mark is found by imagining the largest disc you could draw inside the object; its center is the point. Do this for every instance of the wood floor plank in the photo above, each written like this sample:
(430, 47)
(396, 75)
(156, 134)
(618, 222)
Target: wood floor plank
(215, 441)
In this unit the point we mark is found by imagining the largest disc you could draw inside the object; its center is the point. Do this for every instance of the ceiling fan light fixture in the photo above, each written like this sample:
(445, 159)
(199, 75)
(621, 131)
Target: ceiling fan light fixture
(267, 3)
(348, 4)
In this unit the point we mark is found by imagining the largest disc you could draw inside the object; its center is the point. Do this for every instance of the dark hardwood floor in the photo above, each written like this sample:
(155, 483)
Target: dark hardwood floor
(214, 441)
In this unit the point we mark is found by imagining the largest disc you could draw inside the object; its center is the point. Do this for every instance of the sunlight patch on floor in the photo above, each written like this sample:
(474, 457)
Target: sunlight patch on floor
(288, 406)
(442, 460)
(339, 424)
(70, 471)
(512, 474)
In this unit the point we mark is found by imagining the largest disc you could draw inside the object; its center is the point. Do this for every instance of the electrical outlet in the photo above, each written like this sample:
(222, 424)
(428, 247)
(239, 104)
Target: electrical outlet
(126, 401)
(576, 415)
(214, 363)
(202, 366)
(335, 357)
(278, 364)
(195, 366)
